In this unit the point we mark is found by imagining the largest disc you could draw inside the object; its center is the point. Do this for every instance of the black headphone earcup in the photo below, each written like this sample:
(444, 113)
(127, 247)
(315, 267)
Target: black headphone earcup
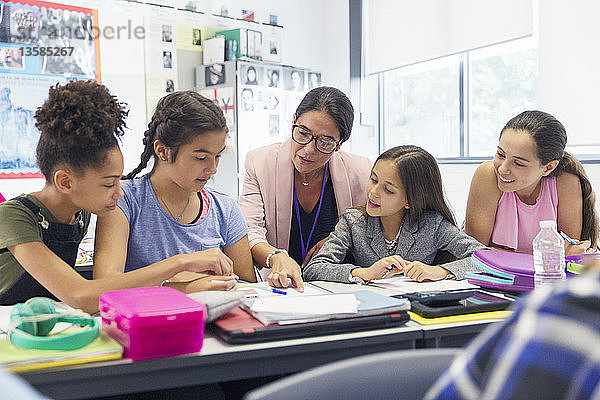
(41, 306)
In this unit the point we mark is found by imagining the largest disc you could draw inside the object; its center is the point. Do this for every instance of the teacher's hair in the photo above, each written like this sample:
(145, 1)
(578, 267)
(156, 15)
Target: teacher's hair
(332, 101)
(550, 138)
(179, 117)
(79, 123)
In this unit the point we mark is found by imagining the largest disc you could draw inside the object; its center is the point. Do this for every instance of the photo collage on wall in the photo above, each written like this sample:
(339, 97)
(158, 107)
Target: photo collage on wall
(268, 95)
(161, 60)
(41, 44)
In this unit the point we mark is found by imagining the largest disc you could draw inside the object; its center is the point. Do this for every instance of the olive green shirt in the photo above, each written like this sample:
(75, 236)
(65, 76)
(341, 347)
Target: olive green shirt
(18, 224)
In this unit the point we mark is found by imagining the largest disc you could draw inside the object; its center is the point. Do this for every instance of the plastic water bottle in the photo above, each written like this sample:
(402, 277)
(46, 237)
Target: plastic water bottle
(548, 255)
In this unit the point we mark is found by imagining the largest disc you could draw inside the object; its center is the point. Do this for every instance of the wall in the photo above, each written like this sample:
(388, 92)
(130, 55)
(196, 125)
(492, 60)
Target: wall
(315, 36)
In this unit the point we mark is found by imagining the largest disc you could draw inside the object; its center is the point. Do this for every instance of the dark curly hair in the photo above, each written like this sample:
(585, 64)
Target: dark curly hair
(79, 123)
(179, 117)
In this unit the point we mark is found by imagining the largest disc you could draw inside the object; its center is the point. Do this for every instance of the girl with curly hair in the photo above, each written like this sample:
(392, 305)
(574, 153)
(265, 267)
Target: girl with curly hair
(185, 139)
(40, 232)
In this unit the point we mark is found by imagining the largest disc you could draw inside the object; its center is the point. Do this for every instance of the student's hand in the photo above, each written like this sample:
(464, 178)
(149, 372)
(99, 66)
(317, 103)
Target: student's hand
(211, 261)
(313, 251)
(382, 268)
(419, 272)
(576, 249)
(282, 268)
(213, 282)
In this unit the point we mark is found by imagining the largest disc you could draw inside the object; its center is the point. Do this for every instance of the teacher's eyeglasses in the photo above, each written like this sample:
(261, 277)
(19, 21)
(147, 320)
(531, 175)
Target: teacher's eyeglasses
(302, 135)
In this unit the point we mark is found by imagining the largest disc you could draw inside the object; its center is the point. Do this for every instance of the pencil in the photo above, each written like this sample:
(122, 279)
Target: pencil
(567, 238)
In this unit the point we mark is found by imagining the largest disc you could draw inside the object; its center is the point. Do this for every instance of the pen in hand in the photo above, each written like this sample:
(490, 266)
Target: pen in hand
(567, 238)
(270, 289)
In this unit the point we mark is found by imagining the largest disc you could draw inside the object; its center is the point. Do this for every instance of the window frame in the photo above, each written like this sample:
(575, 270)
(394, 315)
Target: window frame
(357, 75)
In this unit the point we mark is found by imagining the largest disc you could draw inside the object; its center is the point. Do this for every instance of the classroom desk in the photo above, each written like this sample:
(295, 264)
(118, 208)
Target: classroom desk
(220, 362)
(455, 334)
(217, 362)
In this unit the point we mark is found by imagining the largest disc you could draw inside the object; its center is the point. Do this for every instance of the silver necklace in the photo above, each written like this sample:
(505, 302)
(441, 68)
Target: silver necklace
(305, 183)
(169, 210)
(392, 244)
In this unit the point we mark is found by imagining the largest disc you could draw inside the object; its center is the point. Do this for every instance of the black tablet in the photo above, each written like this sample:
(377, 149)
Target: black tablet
(458, 302)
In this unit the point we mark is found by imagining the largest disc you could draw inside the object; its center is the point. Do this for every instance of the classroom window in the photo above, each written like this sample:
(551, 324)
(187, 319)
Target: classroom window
(503, 82)
(421, 106)
(455, 107)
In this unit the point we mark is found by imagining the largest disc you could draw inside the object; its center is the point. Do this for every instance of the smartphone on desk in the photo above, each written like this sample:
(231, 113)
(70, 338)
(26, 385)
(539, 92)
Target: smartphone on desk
(456, 302)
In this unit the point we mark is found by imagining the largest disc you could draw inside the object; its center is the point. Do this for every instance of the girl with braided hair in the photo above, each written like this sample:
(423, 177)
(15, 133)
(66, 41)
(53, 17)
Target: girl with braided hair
(185, 139)
(40, 232)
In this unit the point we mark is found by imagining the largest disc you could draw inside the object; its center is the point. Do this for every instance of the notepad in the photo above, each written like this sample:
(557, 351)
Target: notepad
(18, 360)
(460, 318)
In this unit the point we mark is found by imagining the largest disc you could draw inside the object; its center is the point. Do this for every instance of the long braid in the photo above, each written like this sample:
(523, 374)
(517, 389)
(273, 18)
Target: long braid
(589, 225)
(148, 152)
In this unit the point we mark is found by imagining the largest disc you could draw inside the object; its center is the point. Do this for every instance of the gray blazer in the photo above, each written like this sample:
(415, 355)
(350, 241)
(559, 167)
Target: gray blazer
(362, 235)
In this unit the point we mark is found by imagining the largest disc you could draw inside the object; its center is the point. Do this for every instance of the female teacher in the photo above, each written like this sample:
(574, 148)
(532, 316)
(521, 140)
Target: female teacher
(295, 191)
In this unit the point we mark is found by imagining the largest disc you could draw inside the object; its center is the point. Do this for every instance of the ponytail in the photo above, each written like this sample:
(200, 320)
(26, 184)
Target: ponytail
(550, 138)
(589, 225)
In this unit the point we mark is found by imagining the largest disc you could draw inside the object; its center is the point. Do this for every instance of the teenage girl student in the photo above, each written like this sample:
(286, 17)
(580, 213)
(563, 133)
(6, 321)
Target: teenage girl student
(404, 224)
(79, 156)
(169, 211)
(530, 179)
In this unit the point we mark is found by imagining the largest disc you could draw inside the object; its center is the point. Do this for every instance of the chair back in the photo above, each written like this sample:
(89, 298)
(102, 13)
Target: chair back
(401, 374)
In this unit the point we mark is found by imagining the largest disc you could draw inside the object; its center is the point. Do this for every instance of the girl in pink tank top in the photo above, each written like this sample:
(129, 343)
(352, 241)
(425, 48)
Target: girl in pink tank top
(530, 179)
(517, 223)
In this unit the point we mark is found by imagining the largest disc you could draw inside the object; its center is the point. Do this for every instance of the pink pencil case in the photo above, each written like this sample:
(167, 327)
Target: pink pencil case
(153, 322)
(514, 271)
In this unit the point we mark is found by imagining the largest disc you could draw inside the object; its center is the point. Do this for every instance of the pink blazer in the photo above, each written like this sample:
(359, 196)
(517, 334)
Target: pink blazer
(266, 199)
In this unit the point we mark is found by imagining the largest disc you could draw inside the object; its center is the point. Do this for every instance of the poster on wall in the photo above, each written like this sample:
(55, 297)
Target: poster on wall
(223, 97)
(161, 60)
(41, 44)
(268, 96)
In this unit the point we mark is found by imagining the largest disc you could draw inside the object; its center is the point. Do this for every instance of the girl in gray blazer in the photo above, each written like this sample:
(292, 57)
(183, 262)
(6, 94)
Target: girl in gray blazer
(404, 224)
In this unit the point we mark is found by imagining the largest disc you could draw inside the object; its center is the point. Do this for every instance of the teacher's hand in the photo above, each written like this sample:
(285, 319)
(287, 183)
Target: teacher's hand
(282, 268)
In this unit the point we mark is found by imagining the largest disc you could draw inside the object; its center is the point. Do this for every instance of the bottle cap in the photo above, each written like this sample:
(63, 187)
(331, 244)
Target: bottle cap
(548, 224)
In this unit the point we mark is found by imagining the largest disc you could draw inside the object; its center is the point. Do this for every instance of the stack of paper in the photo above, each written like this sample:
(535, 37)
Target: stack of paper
(403, 284)
(18, 359)
(297, 309)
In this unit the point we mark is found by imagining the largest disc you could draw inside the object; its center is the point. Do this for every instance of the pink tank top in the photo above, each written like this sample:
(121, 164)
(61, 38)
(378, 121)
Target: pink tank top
(517, 223)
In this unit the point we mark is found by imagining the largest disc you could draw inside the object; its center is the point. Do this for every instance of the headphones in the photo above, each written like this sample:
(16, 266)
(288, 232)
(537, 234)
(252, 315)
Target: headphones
(31, 323)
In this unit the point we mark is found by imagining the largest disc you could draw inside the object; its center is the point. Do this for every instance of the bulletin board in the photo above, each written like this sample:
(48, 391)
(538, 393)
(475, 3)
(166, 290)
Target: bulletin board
(41, 44)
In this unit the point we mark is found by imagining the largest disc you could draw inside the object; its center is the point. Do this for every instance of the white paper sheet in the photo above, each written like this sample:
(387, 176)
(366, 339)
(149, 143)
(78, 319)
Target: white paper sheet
(403, 284)
(308, 305)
